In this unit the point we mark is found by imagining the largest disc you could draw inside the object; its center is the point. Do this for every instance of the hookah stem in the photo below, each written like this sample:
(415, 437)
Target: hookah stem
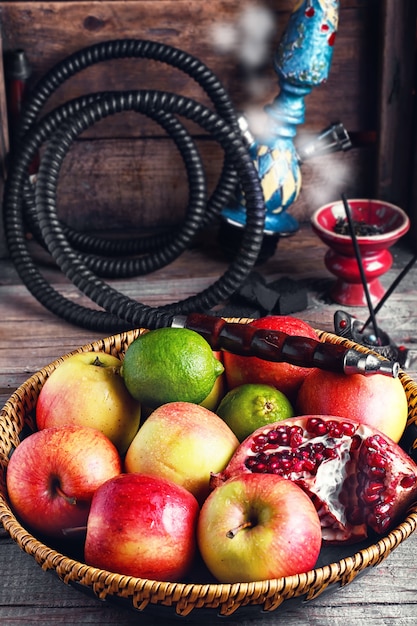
(391, 288)
(276, 346)
(360, 265)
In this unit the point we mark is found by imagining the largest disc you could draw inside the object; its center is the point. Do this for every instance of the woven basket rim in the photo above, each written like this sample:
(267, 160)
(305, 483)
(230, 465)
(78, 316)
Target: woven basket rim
(186, 596)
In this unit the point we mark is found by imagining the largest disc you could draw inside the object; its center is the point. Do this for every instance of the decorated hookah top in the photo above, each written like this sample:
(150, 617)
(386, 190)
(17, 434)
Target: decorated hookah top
(351, 328)
(302, 61)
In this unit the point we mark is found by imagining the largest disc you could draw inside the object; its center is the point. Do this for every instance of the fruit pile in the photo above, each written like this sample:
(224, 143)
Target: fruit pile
(176, 455)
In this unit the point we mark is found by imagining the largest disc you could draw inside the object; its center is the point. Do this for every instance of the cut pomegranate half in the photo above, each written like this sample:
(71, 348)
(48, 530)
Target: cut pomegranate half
(358, 478)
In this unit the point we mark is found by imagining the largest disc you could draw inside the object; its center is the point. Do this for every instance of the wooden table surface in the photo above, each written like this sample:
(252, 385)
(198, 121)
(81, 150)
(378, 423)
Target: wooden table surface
(31, 337)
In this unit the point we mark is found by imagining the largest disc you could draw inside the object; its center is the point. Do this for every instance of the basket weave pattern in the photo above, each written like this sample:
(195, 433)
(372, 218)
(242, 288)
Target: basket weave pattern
(182, 597)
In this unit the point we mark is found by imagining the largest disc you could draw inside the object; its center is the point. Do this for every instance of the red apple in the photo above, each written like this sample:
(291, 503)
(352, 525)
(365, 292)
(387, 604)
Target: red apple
(378, 400)
(257, 527)
(87, 389)
(142, 526)
(53, 473)
(183, 442)
(284, 376)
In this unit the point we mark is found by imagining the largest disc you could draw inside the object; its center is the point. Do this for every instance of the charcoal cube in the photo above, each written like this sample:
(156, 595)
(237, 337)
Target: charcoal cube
(255, 291)
(292, 296)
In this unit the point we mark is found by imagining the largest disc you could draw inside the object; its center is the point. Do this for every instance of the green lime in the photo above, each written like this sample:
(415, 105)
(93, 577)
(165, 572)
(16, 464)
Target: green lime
(168, 365)
(250, 406)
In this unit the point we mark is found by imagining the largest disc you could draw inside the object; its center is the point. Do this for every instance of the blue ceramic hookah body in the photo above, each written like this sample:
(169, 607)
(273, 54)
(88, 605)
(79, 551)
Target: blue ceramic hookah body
(302, 61)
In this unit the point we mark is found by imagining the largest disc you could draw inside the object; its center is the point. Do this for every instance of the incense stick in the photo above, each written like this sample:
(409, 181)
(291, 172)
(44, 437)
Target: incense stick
(360, 265)
(391, 288)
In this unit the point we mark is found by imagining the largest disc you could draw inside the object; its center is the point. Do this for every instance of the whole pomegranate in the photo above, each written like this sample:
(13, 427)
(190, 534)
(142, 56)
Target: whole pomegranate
(284, 376)
(357, 477)
(378, 401)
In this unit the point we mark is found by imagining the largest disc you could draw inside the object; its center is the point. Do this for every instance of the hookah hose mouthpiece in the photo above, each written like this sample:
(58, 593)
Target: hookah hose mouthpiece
(86, 260)
(277, 346)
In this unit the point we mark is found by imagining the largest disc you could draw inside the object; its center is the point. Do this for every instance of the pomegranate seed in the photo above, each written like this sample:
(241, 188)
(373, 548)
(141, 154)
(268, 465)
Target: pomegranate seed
(408, 481)
(283, 435)
(274, 436)
(309, 465)
(376, 472)
(296, 437)
(275, 466)
(381, 521)
(298, 466)
(251, 462)
(330, 453)
(376, 459)
(335, 429)
(316, 426)
(376, 441)
(286, 464)
(375, 487)
(259, 442)
(372, 493)
(348, 429)
(382, 509)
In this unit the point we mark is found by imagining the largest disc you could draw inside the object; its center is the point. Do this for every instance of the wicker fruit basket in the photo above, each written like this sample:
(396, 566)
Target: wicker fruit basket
(204, 600)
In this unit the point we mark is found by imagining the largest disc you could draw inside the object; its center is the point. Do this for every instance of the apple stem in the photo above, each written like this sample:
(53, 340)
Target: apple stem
(74, 531)
(70, 499)
(233, 531)
(99, 363)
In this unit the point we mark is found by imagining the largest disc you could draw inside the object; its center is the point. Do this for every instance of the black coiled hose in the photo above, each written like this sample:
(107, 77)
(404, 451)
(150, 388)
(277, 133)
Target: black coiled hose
(85, 259)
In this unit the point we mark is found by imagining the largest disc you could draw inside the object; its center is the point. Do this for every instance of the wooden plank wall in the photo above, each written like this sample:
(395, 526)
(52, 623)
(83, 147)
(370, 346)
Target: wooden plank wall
(124, 173)
(396, 103)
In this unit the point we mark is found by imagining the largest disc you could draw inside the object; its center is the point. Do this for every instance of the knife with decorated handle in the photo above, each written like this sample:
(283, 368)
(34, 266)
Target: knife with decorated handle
(273, 345)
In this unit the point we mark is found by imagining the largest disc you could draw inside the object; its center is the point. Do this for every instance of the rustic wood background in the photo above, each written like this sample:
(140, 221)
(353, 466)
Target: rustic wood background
(125, 173)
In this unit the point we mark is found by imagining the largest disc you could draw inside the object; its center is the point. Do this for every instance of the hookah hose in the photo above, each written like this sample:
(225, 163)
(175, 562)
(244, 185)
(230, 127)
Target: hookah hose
(85, 259)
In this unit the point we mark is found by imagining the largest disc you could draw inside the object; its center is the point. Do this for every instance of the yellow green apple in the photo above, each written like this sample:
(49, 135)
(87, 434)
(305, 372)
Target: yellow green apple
(182, 442)
(87, 389)
(257, 527)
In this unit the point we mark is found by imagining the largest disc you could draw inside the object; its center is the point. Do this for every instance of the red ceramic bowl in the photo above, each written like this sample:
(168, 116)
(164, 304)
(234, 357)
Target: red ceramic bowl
(340, 259)
(393, 221)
